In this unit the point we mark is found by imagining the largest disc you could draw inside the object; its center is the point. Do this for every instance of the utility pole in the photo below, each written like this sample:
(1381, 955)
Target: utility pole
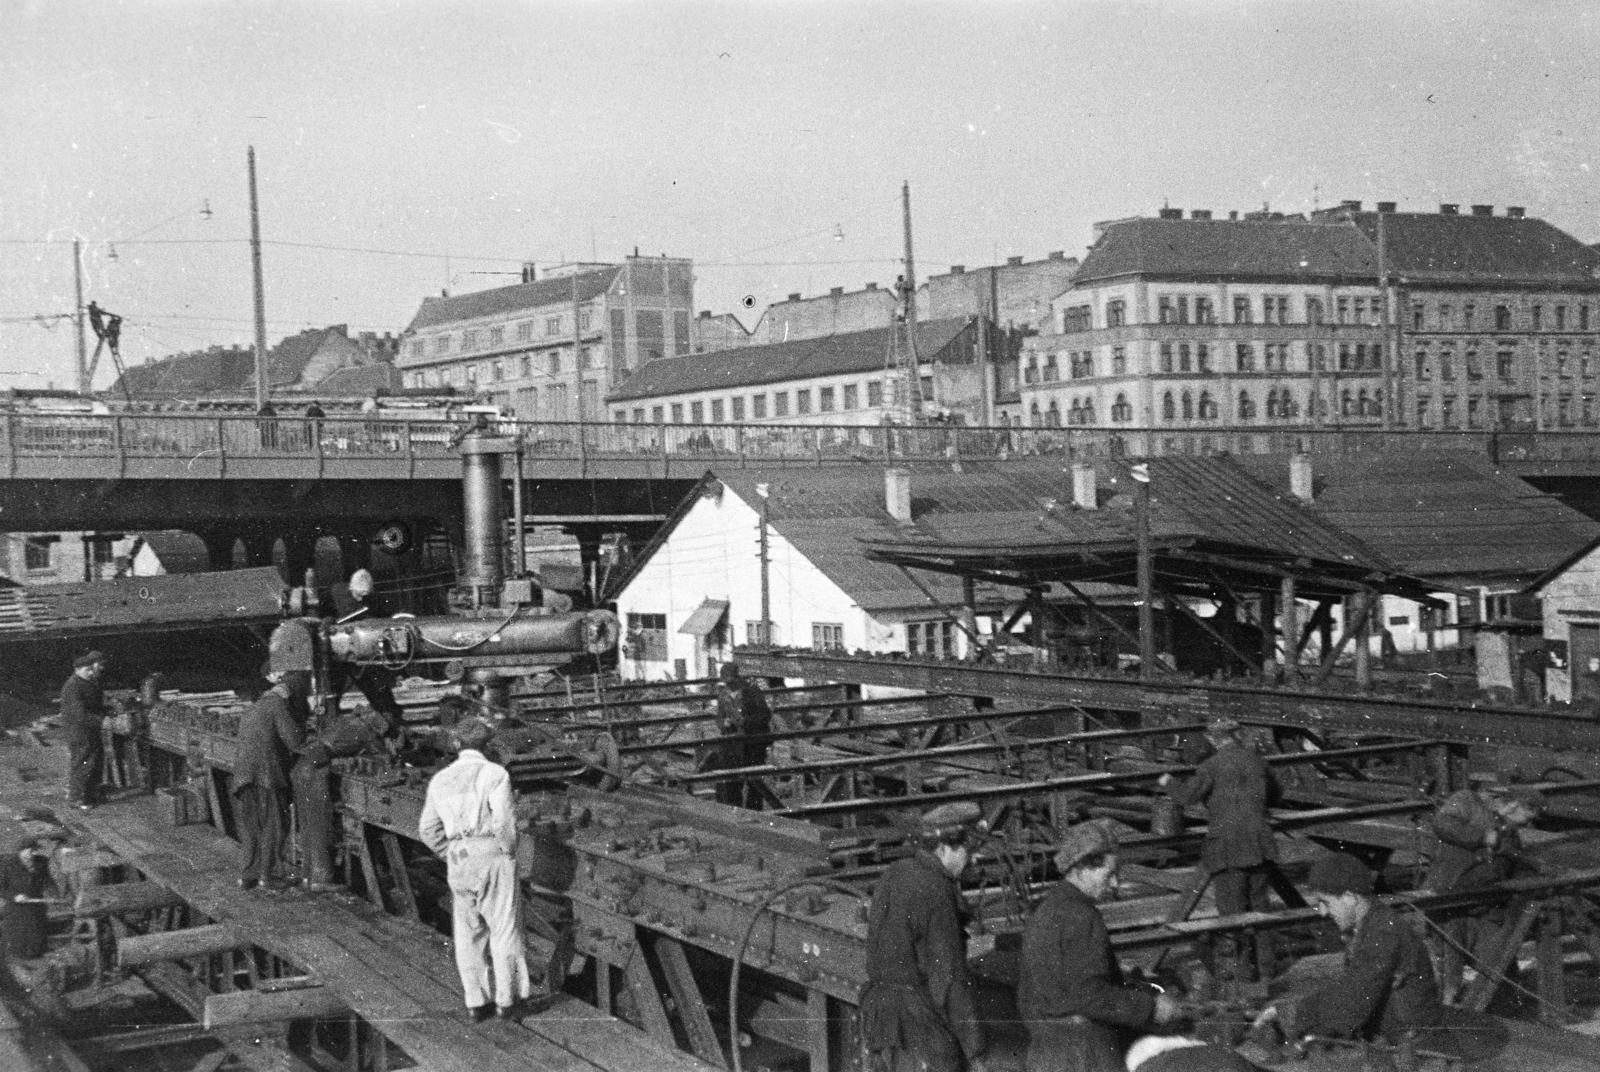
(1145, 570)
(914, 366)
(84, 386)
(766, 585)
(260, 297)
(577, 355)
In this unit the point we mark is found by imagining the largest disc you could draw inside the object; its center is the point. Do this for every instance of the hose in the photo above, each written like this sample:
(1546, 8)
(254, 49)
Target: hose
(744, 943)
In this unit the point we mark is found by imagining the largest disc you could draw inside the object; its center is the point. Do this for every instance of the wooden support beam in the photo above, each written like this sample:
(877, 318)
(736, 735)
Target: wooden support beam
(269, 1006)
(406, 900)
(1551, 975)
(819, 1030)
(1251, 664)
(94, 902)
(140, 1038)
(647, 999)
(1491, 972)
(1347, 634)
(140, 949)
(690, 1002)
(1094, 608)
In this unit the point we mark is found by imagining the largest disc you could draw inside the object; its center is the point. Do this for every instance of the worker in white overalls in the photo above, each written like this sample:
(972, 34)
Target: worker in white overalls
(468, 820)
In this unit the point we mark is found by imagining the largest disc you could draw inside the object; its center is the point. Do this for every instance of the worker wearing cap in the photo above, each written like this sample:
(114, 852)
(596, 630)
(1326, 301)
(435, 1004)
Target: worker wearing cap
(24, 920)
(269, 733)
(917, 1012)
(351, 602)
(1236, 787)
(348, 735)
(1071, 992)
(742, 713)
(83, 711)
(1387, 986)
(468, 820)
(1479, 845)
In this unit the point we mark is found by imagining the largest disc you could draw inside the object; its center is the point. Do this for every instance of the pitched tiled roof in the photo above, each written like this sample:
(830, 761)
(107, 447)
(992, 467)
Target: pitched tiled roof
(1243, 248)
(1446, 515)
(827, 355)
(219, 370)
(1426, 246)
(513, 299)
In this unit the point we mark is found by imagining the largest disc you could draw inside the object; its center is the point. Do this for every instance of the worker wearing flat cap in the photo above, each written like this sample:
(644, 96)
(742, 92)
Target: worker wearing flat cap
(24, 878)
(269, 734)
(917, 1011)
(348, 735)
(1386, 988)
(1080, 1013)
(83, 711)
(1479, 845)
(1236, 787)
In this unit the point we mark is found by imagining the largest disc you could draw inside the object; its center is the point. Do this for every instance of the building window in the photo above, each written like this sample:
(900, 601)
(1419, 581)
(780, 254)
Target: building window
(497, 337)
(499, 371)
(1208, 407)
(552, 325)
(802, 401)
(1583, 318)
(658, 415)
(1052, 416)
(780, 403)
(1313, 310)
(417, 347)
(638, 415)
(1416, 316)
(1052, 371)
(737, 404)
(1164, 311)
(1474, 417)
(646, 640)
(585, 319)
(827, 636)
(1169, 411)
(1272, 405)
(758, 407)
(1188, 406)
(1075, 318)
(1166, 357)
(1561, 318)
(441, 344)
(1505, 365)
(1342, 310)
(1244, 356)
(677, 413)
(1538, 318)
(1447, 412)
(525, 331)
(1241, 309)
(1422, 412)
(620, 416)
(1184, 358)
(1275, 310)
(755, 632)
(851, 396)
(469, 341)
(1447, 365)
(716, 411)
(1469, 316)
(36, 553)
(1502, 318)
(1474, 366)
(1204, 311)
(697, 413)
(1116, 313)
(1121, 411)
(936, 638)
(1119, 360)
(1247, 407)
(1202, 357)
(874, 393)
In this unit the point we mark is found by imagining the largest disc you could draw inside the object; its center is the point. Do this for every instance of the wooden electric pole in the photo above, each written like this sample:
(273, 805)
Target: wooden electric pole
(260, 297)
(84, 387)
(913, 364)
(766, 584)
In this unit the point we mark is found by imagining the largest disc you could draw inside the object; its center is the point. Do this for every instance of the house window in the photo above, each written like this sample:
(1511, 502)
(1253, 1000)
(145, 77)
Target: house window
(1244, 355)
(1184, 358)
(1208, 407)
(1447, 412)
(552, 325)
(1422, 412)
(1342, 310)
(755, 633)
(758, 407)
(497, 336)
(802, 401)
(1561, 318)
(697, 413)
(1202, 357)
(1447, 365)
(825, 400)
(1423, 371)
(36, 553)
(1583, 318)
(850, 396)
(620, 416)
(1165, 313)
(1505, 365)
(1052, 371)
(874, 393)
(1538, 318)
(1119, 360)
(1169, 411)
(498, 369)
(525, 331)
(1204, 311)
(1319, 357)
(1074, 319)
(469, 341)
(418, 347)
(1275, 310)
(1313, 310)
(1473, 413)
(1121, 410)
(1116, 313)
(1416, 316)
(638, 415)
(555, 363)
(585, 319)
(441, 345)
(677, 413)
(1502, 318)
(827, 636)
(1474, 366)
(1166, 357)
(658, 415)
(1241, 309)
(1052, 416)
(737, 404)
(716, 411)
(1188, 406)
(1183, 309)
(937, 638)
(780, 403)
(1469, 316)
(646, 640)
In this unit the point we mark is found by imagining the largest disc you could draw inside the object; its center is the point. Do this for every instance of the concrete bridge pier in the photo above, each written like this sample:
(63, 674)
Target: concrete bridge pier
(299, 554)
(258, 545)
(219, 546)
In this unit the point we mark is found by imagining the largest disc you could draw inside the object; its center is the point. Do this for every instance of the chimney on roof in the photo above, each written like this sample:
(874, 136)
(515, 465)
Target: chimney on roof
(897, 494)
(1353, 206)
(958, 269)
(1483, 210)
(1386, 207)
(1083, 488)
(794, 297)
(1448, 209)
(1300, 478)
(1013, 261)
(1234, 215)
(1056, 255)
(835, 292)
(1515, 212)
(872, 286)
(527, 271)
(1200, 214)
(1170, 214)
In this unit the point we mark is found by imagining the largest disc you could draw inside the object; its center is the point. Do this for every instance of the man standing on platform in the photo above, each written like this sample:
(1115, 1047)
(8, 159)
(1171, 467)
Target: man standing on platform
(83, 710)
(743, 713)
(468, 820)
(1071, 993)
(268, 735)
(1236, 787)
(917, 1011)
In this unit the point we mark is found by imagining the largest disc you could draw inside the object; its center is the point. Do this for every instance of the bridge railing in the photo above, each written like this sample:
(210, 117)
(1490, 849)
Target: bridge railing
(187, 436)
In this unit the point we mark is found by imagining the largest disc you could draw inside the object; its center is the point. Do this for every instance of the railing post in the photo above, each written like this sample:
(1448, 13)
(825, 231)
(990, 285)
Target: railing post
(222, 447)
(738, 443)
(116, 445)
(583, 449)
(11, 444)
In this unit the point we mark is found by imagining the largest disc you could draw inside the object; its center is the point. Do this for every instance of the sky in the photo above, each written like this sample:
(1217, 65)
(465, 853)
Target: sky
(404, 148)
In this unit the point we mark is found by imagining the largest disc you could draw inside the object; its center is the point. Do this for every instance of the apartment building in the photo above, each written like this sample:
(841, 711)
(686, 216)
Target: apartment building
(553, 348)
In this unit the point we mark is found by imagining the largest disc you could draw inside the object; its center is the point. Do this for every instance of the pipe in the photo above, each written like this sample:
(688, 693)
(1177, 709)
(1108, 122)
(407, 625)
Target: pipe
(484, 518)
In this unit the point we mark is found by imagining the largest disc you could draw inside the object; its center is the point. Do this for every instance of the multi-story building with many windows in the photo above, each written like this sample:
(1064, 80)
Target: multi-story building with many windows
(553, 348)
(1481, 321)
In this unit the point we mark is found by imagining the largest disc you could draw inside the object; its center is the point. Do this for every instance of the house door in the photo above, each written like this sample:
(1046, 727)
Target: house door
(1583, 661)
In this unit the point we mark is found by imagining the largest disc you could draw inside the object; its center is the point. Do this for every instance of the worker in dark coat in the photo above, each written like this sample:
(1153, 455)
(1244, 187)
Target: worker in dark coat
(1080, 1014)
(1479, 845)
(269, 733)
(917, 1011)
(348, 735)
(24, 917)
(1387, 987)
(742, 713)
(1236, 787)
(351, 602)
(83, 710)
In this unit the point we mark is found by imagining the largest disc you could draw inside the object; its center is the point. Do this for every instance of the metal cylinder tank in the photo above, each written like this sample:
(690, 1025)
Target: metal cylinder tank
(484, 518)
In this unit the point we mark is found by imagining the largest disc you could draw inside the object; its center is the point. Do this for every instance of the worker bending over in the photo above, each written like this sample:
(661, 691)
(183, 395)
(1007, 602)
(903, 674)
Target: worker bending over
(1080, 1014)
(468, 820)
(356, 601)
(347, 735)
(917, 1012)
(1386, 988)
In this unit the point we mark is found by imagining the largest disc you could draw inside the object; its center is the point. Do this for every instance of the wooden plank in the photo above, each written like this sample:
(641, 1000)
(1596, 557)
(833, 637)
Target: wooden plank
(580, 1027)
(96, 901)
(1493, 968)
(819, 1034)
(139, 949)
(140, 1038)
(690, 1002)
(406, 900)
(647, 999)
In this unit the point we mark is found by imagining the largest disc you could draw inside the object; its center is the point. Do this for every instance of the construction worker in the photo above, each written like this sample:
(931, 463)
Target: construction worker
(348, 735)
(1387, 987)
(83, 711)
(917, 1011)
(742, 713)
(1239, 852)
(24, 919)
(468, 820)
(1479, 845)
(1071, 992)
(269, 733)
(355, 600)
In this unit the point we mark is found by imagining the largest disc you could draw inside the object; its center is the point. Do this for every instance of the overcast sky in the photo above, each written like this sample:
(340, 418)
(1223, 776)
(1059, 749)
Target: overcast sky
(462, 138)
